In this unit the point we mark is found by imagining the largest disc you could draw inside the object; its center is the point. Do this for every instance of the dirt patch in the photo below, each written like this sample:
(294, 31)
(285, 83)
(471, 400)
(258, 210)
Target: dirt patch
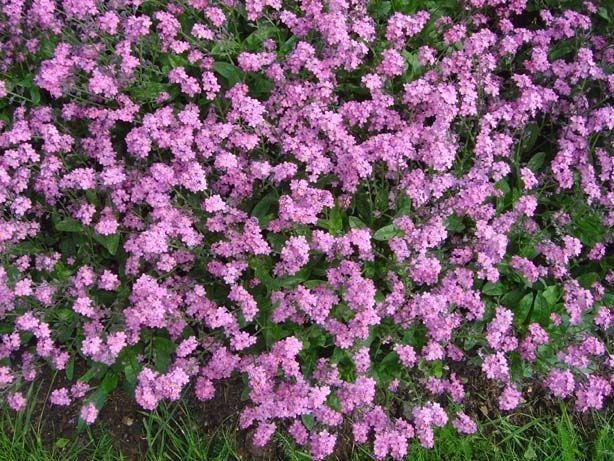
(122, 420)
(119, 418)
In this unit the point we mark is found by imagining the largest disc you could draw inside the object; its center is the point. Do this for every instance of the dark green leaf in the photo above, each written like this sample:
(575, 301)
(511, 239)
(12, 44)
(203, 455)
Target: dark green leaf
(69, 225)
(552, 294)
(541, 311)
(255, 39)
(529, 137)
(231, 73)
(587, 280)
(163, 348)
(521, 312)
(536, 162)
(69, 370)
(512, 298)
(335, 220)
(109, 383)
(388, 368)
(110, 242)
(309, 421)
(454, 224)
(356, 223)
(493, 289)
(386, 232)
(262, 207)
(603, 12)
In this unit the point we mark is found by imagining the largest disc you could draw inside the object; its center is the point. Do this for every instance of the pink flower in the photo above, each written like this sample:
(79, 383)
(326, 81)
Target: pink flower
(463, 424)
(592, 393)
(294, 255)
(60, 397)
(321, 444)
(495, 366)
(406, 354)
(88, 413)
(16, 401)
(509, 398)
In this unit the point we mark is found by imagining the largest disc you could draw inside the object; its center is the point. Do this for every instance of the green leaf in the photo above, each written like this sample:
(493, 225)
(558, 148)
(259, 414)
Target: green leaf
(170, 61)
(131, 368)
(61, 442)
(403, 205)
(608, 300)
(512, 298)
(388, 368)
(515, 365)
(224, 48)
(96, 371)
(454, 224)
(560, 50)
(333, 402)
(380, 9)
(541, 311)
(415, 336)
(148, 91)
(504, 186)
(521, 312)
(35, 95)
(255, 39)
(603, 12)
(69, 370)
(163, 348)
(551, 294)
(261, 208)
(109, 383)
(386, 232)
(231, 73)
(110, 242)
(261, 86)
(436, 368)
(291, 280)
(587, 280)
(356, 223)
(589, 229)
(69, 225)
(92, 197)
(493, 289)
(529, 137)
(413, 66)
(530, 453)
(273, 333)
(309, 421)
(536, 162)
(335, 220)
(344, 362)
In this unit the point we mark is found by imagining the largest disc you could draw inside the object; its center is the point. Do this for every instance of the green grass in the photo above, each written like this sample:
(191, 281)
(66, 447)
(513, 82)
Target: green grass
(175, 435)
(544, 438)
(172, 434)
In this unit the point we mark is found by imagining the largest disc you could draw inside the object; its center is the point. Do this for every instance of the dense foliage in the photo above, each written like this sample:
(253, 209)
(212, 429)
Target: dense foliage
(350, 208)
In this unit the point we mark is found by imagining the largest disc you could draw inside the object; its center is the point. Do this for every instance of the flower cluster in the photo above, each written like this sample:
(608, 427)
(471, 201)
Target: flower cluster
(337, 202)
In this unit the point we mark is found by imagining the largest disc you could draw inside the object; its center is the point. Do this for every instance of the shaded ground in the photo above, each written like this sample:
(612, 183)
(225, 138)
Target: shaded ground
(124, 422)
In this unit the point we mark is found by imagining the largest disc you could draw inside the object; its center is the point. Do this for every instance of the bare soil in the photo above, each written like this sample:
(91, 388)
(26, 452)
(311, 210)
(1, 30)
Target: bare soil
(122, 419)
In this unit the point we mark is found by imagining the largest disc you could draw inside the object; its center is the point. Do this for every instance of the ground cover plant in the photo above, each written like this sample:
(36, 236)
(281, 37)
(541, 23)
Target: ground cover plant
(175, 431)
(372, 218)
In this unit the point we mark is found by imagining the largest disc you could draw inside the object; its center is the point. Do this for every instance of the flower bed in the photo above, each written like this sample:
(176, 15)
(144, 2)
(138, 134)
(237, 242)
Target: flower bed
(354, 207)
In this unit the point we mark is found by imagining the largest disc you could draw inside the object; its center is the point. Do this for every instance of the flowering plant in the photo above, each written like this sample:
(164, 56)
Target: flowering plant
(355, 206)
